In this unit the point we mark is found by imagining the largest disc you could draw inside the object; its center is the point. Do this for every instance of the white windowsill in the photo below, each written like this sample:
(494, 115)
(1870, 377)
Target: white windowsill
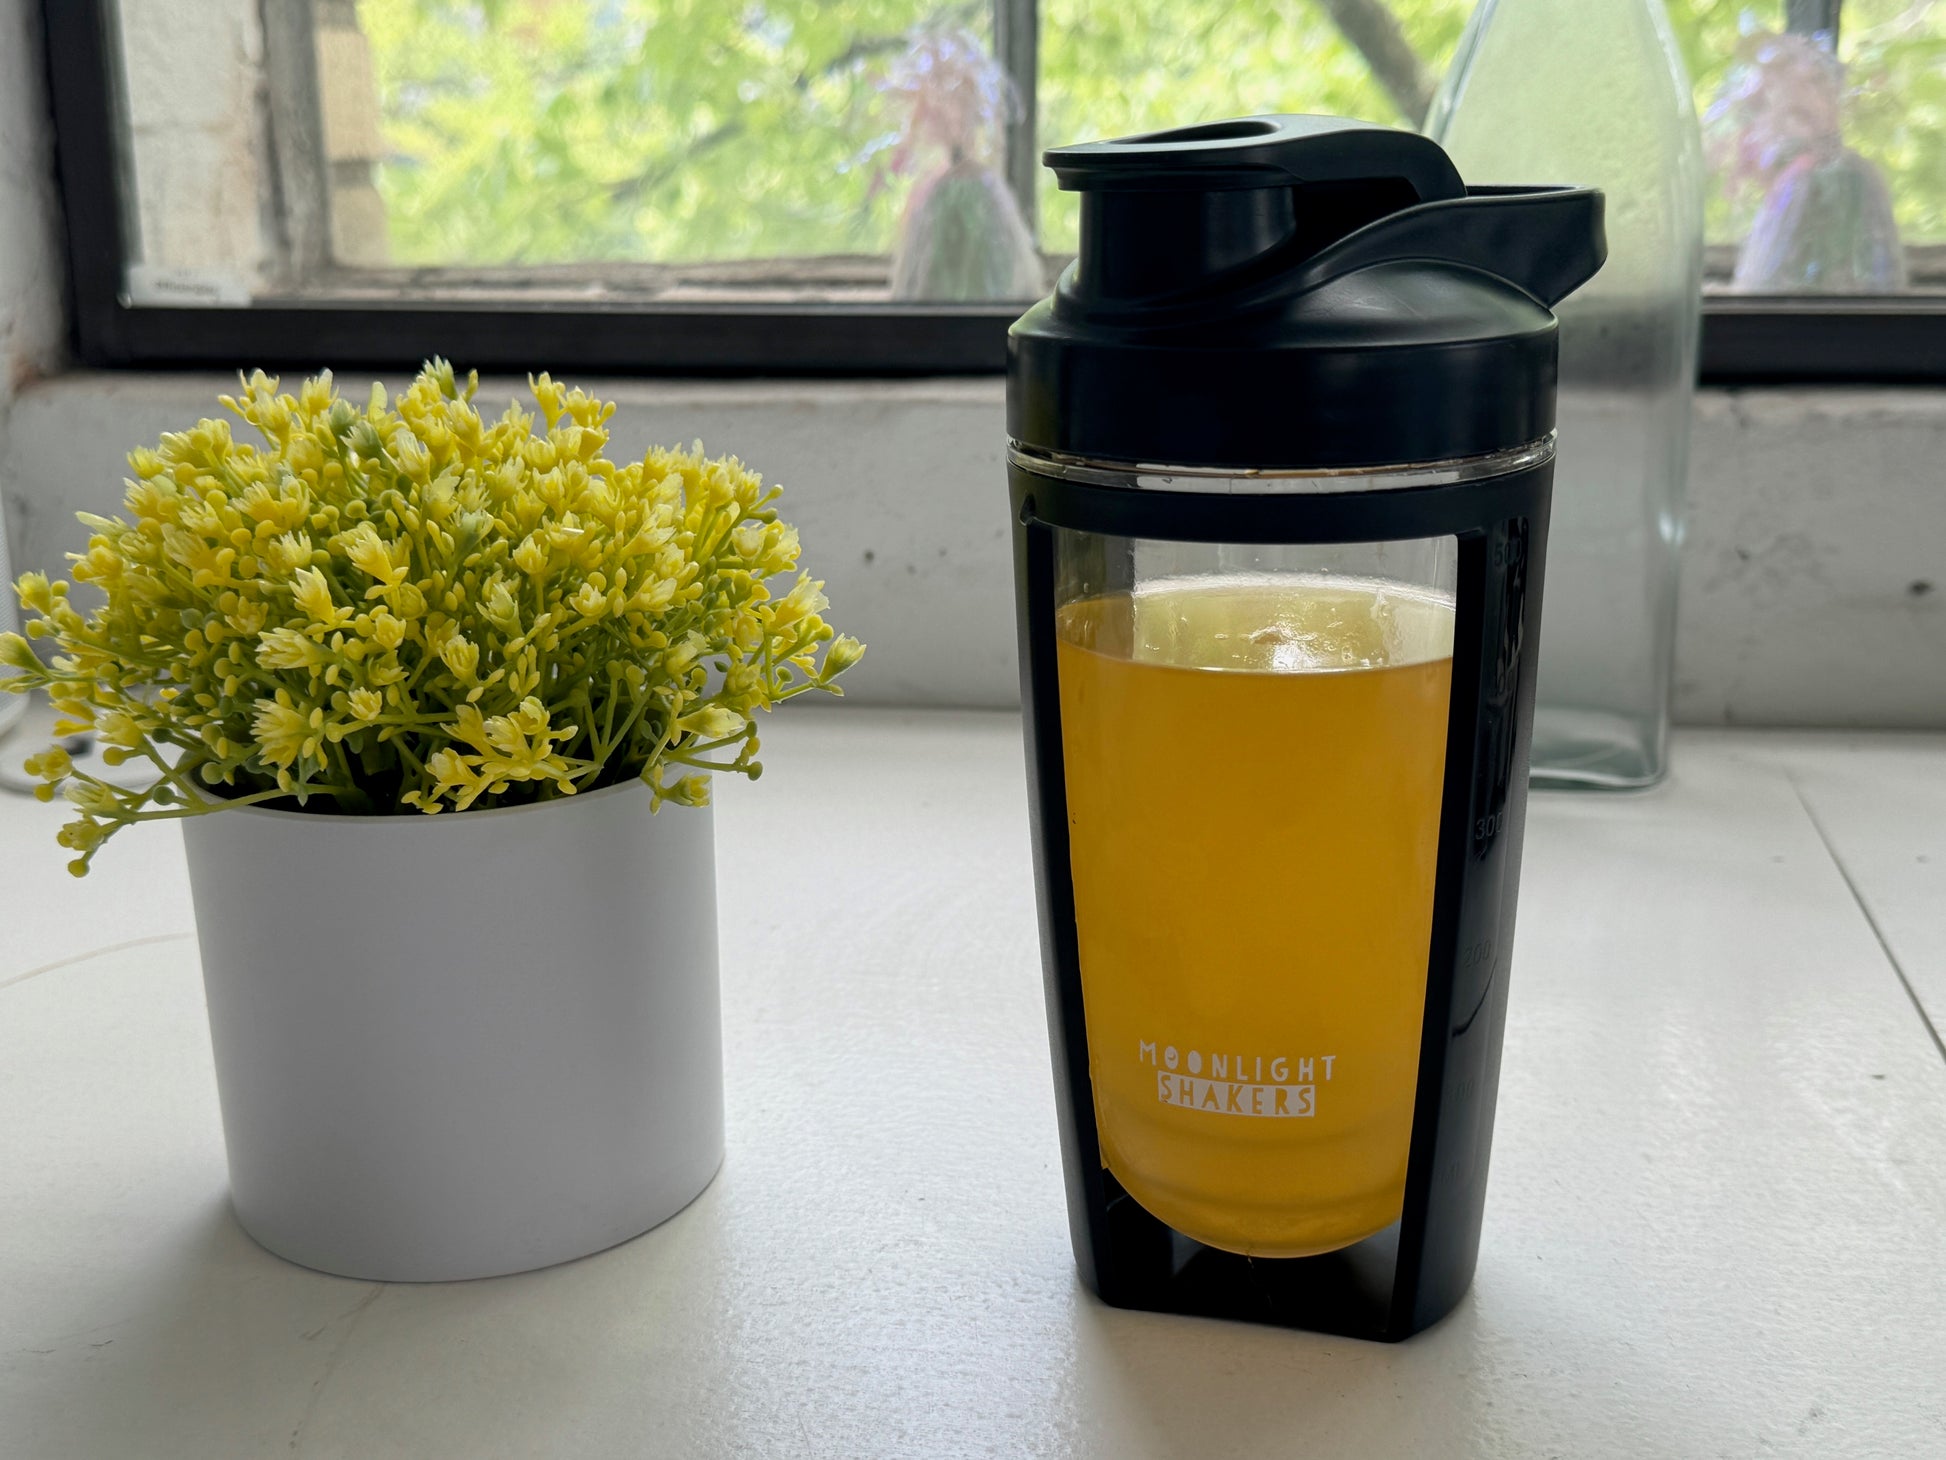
(1712, 1227)
(1814, 588)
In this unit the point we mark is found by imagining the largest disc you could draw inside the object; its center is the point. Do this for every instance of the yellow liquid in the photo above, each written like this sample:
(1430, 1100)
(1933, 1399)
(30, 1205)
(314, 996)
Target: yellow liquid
(1254, 767)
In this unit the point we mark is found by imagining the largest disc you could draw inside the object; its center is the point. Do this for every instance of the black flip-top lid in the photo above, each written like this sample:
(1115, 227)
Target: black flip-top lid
(1295, 291)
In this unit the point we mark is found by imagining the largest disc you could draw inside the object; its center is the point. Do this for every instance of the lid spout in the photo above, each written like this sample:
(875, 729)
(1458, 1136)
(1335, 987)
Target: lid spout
(1545, 241)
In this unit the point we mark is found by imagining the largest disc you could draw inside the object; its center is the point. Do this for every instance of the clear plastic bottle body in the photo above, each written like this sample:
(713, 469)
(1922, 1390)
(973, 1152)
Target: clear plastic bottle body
(1254, 741)
(1277, 726)
(1593, 92)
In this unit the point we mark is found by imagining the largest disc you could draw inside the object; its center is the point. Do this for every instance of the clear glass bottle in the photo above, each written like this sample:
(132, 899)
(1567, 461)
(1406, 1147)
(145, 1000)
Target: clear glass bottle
(1594, 92)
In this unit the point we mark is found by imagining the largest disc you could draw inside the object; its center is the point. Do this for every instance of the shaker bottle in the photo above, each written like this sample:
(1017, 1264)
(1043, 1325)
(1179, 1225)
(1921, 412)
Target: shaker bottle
(1280, 459)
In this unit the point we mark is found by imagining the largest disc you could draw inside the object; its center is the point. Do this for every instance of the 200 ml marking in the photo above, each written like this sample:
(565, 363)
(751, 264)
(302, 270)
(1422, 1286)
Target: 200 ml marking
(1235, 1084)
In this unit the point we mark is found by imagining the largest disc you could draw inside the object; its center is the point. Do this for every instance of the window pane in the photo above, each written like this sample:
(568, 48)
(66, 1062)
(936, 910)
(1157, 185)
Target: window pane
(536, 132)
(856, 151)
(1819, 160)
(851, 149)
(1114, 67)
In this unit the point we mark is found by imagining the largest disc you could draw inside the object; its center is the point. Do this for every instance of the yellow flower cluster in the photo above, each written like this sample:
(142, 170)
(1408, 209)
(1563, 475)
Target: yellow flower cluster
(411, 606)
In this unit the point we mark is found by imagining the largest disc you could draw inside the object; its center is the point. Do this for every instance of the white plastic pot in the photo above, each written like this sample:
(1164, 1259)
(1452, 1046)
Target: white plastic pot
(458, 1045)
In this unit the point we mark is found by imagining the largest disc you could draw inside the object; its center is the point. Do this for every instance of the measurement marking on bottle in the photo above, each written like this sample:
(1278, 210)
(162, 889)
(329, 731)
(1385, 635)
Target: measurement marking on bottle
(1225, 1097)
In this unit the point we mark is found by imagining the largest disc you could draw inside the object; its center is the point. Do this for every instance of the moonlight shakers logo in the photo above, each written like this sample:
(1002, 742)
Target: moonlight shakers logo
(1237, 1084)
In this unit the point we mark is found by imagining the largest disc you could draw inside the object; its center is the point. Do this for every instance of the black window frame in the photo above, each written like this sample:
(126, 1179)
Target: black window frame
(1889, 339)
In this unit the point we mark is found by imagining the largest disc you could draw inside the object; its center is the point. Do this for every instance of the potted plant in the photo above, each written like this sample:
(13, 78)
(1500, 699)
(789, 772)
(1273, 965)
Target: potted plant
(447, 1045)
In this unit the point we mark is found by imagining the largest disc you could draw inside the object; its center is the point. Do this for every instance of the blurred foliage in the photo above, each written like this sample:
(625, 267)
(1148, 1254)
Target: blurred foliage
(1895, 51)
(551, 131)
(1111, 67)
(542, 131)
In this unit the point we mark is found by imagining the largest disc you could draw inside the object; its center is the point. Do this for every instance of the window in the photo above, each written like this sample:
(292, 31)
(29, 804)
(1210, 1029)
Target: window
(854, 186)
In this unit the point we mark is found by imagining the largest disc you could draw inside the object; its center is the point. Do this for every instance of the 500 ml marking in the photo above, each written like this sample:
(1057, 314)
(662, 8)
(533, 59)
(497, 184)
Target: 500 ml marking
(1235, 1084)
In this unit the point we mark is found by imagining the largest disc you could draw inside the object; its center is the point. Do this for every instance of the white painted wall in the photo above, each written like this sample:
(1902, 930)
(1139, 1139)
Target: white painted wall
(195, 76)
(1816, 517)
(1814, 570)
(30, 273)
(1814, 575)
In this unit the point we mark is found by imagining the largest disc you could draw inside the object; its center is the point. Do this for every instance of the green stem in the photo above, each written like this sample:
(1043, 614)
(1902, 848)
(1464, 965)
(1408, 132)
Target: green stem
(203, 807)
(683, 758)
(336, 750)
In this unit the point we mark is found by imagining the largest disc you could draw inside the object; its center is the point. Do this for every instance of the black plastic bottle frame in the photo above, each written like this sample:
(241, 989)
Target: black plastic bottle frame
(1310, 296)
